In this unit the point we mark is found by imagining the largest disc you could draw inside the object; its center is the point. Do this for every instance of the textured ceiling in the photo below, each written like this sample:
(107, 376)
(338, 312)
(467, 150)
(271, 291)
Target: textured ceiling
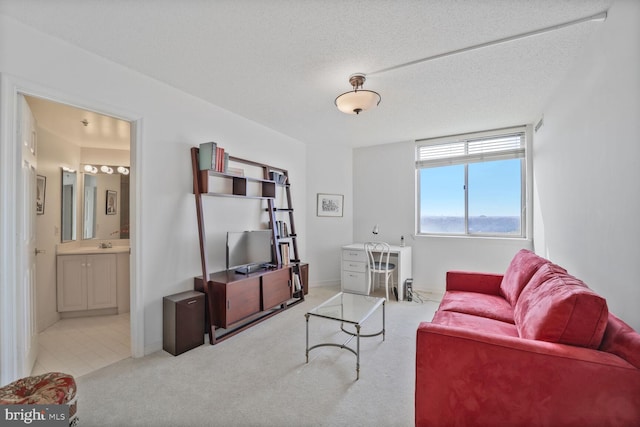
(281, 63)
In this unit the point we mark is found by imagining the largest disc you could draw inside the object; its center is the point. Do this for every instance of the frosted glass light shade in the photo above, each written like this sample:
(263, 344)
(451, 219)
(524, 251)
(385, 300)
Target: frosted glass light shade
(355, 101)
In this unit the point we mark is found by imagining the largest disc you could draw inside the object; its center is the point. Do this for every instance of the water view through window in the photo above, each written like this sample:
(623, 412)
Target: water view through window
(492, 195)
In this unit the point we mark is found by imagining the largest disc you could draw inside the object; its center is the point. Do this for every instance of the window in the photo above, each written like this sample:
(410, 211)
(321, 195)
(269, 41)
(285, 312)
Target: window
(473, 184)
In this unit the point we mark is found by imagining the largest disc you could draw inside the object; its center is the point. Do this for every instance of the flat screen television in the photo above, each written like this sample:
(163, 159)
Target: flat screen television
(248, 251)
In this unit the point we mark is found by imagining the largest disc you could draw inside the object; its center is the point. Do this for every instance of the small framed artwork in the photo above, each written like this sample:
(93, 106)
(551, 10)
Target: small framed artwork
(112, 198)
(330, 204)
(41, 189)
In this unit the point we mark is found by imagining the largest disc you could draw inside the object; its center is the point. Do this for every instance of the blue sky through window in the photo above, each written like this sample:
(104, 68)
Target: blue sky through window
(494, 188)
(494, 197)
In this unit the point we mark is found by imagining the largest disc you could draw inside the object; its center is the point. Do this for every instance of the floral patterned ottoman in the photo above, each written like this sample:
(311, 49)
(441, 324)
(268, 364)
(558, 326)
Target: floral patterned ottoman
(45, 389)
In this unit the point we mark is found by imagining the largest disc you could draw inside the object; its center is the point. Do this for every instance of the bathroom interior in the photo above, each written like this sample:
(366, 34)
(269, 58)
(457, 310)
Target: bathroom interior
(82, 238)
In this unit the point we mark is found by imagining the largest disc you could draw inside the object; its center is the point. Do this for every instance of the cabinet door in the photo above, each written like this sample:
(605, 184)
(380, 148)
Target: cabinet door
(243, 299)
(101, 281)
(70, 283)
(276, 288)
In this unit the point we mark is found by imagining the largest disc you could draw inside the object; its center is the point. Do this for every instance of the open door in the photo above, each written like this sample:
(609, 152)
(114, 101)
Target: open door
(28, 334)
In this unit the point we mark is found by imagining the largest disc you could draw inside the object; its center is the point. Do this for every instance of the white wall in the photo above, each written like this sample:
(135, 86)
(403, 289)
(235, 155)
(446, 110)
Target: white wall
(170, 122)
(104, 156)
(586, 166)
(53, 154)
(329, 170)
(385, 194)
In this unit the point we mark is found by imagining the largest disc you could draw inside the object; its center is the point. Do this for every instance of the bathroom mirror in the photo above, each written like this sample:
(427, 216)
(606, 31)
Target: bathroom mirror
(68, 217)
(90, 184)
(105, 205)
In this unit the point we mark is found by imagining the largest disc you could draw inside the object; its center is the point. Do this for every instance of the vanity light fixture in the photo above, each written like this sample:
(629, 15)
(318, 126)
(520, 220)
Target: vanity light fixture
(358, 99)
(123, 170)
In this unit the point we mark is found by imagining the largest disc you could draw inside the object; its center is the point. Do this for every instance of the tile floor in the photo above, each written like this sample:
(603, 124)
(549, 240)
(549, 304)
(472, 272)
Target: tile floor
(81, 345)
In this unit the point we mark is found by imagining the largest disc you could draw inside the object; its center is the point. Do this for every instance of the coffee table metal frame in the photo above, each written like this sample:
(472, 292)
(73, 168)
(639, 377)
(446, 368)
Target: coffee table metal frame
(353, 309)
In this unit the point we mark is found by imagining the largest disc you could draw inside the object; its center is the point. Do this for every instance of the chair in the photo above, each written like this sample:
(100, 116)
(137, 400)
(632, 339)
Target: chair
(378, 262)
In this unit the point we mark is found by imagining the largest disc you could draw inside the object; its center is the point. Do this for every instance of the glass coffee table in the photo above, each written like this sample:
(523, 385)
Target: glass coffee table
(353, 309)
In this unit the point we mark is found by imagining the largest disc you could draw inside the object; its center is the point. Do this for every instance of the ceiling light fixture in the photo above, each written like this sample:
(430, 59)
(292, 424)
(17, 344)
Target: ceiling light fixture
(123, 170)
(357, 100)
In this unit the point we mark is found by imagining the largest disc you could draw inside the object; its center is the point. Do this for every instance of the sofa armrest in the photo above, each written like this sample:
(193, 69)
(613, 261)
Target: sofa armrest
(469, 378)
(471, 281)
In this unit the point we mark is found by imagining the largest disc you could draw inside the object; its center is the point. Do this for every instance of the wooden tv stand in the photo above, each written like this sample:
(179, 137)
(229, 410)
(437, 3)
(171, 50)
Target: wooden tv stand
(237, 301)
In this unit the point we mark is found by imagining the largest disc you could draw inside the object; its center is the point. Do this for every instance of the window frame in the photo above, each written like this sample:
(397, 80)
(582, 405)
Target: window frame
(465, 159)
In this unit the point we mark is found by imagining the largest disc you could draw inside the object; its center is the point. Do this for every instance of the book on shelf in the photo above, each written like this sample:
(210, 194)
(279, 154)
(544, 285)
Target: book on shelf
(297, 285)
(279, 178)
(219, 159)
(207, 156)
(282, 229)
(284, 253)
(235, 171)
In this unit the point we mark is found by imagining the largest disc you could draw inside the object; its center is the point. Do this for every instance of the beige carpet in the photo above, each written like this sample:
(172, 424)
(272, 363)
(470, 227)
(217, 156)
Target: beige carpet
(260, 378)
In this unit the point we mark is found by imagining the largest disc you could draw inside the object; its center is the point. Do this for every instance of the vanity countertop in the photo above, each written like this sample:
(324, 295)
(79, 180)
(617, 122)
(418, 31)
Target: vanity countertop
(88, 250)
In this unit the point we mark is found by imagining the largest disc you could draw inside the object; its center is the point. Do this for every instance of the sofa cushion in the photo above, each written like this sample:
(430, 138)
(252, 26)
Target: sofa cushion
(483, 325)
(561, 309)
(477, 304)
(546, 272)
(522, 267)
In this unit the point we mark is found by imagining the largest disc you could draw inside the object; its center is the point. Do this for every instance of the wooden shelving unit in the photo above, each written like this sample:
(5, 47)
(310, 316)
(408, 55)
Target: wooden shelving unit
(235, 302)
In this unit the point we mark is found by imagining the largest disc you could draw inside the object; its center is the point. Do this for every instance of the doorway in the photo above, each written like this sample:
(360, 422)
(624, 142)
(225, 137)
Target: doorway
(69, 138)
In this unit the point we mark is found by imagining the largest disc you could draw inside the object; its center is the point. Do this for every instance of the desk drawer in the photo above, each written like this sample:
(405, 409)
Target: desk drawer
(354, 255)
(354, 282)
(354, 266)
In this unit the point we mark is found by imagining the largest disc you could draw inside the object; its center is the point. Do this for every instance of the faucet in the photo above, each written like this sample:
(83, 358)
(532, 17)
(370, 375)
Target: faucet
(105, 245)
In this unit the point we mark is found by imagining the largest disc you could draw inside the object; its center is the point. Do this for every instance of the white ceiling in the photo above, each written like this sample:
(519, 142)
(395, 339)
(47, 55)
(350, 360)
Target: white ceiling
(281, 63)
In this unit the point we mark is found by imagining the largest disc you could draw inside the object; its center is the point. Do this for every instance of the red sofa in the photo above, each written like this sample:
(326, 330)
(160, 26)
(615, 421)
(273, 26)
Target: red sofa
(532, 347)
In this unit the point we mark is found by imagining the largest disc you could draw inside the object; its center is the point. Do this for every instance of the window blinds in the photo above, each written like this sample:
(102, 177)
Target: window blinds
(500, 145)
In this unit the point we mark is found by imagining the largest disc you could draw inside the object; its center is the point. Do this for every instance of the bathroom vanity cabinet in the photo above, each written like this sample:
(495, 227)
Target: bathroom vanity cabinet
(86, 282)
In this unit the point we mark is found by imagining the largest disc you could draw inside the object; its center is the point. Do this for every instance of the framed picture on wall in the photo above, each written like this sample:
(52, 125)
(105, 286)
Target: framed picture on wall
(330, 204)
(112, 199)
(41, 188)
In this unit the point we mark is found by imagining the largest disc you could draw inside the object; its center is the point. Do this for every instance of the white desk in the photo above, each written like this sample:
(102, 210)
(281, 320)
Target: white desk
(354, 268)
